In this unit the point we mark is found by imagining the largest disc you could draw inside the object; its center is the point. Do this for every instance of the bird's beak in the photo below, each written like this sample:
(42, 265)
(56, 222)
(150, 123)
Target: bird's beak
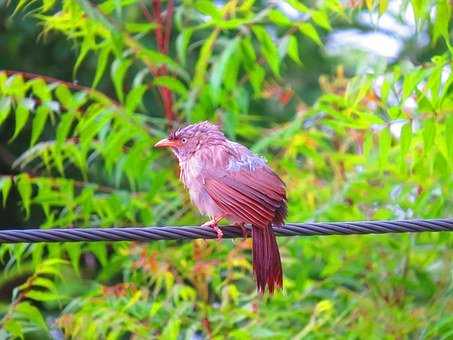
(166, 143)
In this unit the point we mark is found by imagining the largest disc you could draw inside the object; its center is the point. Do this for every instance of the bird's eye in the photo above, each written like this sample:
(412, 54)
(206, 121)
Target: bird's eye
(184, 140)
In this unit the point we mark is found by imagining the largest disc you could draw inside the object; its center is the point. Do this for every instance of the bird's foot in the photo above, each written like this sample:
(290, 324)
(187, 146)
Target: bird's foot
(243, 228)
(214, 224)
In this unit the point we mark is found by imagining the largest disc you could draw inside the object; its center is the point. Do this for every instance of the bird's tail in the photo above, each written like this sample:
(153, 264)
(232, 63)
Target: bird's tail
(267, 265)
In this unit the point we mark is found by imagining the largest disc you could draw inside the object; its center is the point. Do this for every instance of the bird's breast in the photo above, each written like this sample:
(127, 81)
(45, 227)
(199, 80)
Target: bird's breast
(192, 177)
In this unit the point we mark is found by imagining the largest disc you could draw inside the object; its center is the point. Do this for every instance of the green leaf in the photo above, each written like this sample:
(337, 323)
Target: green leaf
(25, 191)
(321, 19)
(85, 47)
(406, 136)
(405, 142)
(16, 87)
(449, 137)
(278, 18)
(357, 89)
(385, 139)
(248, 52)
(268, 48)
(14, 328)
(100, 250)
(230, 123)
(94, 13)
(298, 5)
(233, 24)
(368, 144)
(74, 252)
(135, 96)
(203, 59)
(140, 27)
(39, 121)
(3, 80)
(182, 42)
(231, 73)
(64, 127)
(32, 314)
(45, 283)
(41, 90)
(383, 4)
(385, 89)
(257, 75)
(308, 30)
(5, 108)
(39, 295)
(119, 69)
(442, 21)
(21, 116)
(172, 84)
(429, 132)
(420, 10)
(102, 63)
(293, 50)
(5, 186)
(411, 81)
(64, 96)
(208, 8)
(171, 329)
(152, 58)
(441, 165)
(218, 71)
(246, 5)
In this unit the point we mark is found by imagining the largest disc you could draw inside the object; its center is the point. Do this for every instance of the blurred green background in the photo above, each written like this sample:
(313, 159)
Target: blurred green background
(351, 103)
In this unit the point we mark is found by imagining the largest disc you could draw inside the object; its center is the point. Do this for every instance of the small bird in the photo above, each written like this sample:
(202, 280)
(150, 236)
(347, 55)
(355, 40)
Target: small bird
(226, 180)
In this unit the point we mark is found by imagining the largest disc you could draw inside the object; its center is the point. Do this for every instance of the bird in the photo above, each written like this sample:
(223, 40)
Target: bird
(226, 180)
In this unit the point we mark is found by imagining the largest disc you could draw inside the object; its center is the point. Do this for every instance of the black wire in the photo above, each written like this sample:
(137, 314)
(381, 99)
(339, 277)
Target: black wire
(186, 233)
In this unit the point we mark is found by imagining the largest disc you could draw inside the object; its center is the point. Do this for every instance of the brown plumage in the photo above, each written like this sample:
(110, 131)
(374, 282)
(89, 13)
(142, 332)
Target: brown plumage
(226, 180)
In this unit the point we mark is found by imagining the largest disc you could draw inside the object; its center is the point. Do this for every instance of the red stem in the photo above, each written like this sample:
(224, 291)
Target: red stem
(168, 25)
(163, 35)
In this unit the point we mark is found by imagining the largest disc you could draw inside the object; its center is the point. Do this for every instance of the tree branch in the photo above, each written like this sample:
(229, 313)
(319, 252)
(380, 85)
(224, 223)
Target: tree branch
(162, 37)
(70, 85)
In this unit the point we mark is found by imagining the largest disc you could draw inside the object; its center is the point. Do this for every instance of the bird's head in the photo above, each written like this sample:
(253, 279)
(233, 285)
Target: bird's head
(187, 140)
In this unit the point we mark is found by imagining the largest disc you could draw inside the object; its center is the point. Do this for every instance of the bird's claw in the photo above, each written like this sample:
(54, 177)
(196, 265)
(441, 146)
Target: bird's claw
(214, 225)
(243, 228)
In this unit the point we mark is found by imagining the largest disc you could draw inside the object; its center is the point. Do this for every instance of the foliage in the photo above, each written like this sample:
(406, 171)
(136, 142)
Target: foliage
(375, 145)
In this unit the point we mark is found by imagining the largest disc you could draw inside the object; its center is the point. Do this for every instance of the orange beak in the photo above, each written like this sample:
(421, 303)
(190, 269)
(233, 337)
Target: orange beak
(166, 143)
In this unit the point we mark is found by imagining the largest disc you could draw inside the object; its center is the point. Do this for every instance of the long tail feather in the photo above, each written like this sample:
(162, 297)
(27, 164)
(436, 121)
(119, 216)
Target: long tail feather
(267, 265)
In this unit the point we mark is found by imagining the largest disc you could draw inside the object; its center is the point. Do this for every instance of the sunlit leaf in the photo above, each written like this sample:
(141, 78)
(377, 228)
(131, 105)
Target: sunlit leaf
(135, 96)
(203, 59)
(208, 8)
(182, 42)
(21, 116)
(293, 50)
(268, 48)
(5, 186)
(321, 19)
(429, 131)
(172, 84)
(278, 18)
(39, 121)
(449, 136)
(102, 63)
(5, 108)
(119, 69)
(25, 191)
(32, 313)
(384, 146)
(308, 30)
(218, 71)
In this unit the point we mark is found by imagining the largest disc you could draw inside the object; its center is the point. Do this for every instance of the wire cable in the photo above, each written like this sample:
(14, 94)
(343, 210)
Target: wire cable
(145, 234)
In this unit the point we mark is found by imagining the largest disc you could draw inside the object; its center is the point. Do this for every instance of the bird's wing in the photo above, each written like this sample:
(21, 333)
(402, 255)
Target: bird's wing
(253, 195)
